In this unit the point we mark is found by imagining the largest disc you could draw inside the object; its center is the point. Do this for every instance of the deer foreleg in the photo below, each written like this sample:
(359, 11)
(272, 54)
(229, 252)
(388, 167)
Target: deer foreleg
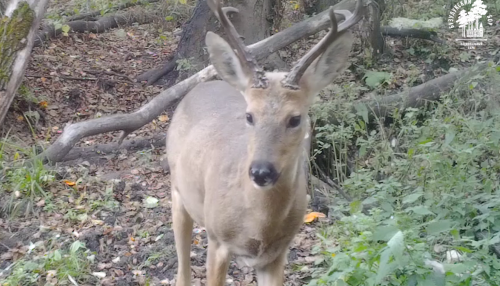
(183, 227)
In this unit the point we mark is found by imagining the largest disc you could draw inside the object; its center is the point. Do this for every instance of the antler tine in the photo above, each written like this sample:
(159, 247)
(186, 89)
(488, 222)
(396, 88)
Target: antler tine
(245, 56)
(355, 18)
(292, 79)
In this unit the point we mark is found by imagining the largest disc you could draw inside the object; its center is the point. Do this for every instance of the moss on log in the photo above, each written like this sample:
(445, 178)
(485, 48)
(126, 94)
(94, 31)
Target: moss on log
(17, 33)
(13, 32)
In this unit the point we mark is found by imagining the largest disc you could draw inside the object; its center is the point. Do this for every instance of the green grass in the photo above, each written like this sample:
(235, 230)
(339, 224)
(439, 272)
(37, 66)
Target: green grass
(57, 265)
(21, 183)
(430, 182)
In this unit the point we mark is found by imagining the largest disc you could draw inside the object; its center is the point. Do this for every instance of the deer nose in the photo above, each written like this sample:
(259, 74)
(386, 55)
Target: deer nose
(263, 173)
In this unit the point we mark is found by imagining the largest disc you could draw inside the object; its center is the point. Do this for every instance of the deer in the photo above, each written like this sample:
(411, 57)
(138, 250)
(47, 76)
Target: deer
(237, 150)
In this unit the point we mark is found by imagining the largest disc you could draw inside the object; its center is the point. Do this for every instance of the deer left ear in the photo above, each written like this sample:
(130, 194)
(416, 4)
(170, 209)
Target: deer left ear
(226, 62)
(329, 65)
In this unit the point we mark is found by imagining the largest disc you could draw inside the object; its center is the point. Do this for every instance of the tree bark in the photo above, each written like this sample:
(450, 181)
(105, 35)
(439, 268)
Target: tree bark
(17, 34)
(253, 23)
(128, 123)
(3, 6)
(375, 41)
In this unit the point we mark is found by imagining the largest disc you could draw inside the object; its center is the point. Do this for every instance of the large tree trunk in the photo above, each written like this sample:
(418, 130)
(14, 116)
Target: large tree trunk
(372, 38)
(253, 22)
(17, 34)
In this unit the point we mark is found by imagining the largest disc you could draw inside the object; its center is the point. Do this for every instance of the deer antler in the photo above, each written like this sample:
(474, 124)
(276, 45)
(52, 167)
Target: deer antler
(247, 59)
(292, 79)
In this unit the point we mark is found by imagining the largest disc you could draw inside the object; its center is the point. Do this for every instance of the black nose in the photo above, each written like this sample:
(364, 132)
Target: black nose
(263, 173)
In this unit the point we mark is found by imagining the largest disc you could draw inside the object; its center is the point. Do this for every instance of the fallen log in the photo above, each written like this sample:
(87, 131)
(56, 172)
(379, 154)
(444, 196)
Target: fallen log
(100, 25)
(17, 35)
(418, 96)
(128, 123)
(86, 16)
(377, 106)
(411, 33)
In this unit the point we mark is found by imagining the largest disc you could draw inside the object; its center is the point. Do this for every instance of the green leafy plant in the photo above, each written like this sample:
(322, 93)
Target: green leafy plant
(23, 182)
(67, 267)
(374, 79)
(425, 189)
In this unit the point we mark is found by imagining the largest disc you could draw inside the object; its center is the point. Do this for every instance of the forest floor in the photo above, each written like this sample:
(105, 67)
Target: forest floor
(118, 204)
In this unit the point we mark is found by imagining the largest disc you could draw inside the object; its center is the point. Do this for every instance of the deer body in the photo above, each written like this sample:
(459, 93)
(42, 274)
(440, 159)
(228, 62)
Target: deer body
(237, 150)
(213, 183)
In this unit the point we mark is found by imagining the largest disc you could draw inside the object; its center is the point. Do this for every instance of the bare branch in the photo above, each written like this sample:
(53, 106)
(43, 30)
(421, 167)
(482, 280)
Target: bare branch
(377, 107)
(72, 133)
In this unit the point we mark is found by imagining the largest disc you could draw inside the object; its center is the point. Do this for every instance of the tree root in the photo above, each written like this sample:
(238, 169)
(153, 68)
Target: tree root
(153, 75)
(136, 144)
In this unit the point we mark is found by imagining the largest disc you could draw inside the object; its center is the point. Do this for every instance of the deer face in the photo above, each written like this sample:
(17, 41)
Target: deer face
(277, 122)
(277, 103)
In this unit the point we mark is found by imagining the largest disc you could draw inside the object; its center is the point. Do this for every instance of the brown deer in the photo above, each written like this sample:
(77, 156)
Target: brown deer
(237, 150)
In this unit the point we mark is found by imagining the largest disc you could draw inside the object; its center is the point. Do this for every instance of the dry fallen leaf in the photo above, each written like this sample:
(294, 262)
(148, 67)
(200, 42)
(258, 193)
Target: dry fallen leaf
(43, 104)
(312, 216)
(99, 274)
(163, 118)
(97, 222)
(69, 183)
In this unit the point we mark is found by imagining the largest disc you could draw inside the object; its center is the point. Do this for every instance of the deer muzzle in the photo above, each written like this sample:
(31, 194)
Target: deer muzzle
(263, 173)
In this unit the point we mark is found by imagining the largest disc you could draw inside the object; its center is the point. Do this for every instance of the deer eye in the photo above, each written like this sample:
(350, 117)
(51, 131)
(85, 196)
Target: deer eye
(249, 118)
(294, 121)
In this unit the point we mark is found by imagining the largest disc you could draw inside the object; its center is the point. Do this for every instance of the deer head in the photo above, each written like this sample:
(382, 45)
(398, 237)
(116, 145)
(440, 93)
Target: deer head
(278, 102)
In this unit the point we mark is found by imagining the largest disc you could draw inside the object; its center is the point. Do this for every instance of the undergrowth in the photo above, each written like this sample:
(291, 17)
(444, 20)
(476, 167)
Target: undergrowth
(54, 267)
(21, 184)
(425, 188)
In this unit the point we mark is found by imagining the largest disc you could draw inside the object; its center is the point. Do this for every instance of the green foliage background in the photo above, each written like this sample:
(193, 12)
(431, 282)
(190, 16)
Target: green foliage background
(425, 187)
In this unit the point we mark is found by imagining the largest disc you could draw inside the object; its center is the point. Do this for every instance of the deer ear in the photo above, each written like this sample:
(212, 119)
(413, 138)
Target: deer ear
(328, 65)
(225, 61)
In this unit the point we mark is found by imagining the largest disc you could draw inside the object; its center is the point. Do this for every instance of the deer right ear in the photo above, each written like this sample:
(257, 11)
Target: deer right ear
(225, 61)
(328, 65)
